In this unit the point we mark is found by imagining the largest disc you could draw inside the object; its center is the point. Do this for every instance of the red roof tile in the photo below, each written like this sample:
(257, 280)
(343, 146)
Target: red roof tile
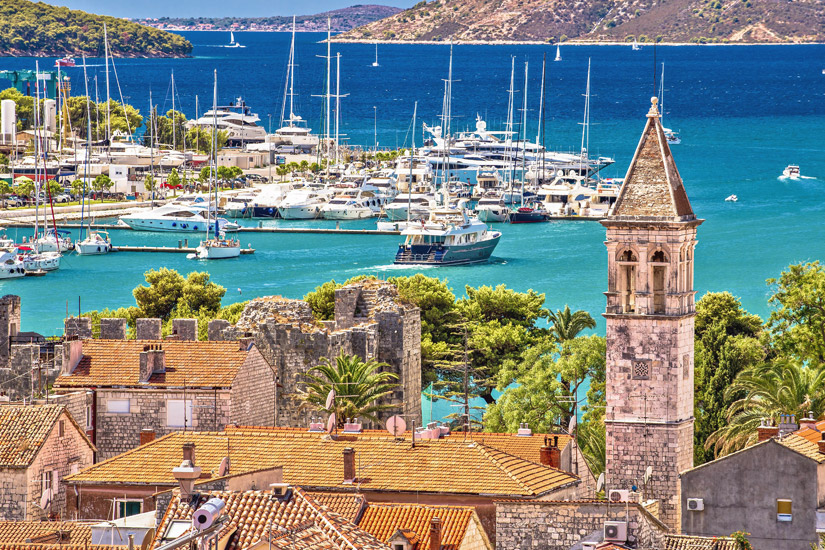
(25, 428)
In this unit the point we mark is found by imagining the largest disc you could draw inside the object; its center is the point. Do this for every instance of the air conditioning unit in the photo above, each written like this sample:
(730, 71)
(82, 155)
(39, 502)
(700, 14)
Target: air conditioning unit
(695, 504)
(618, 495)
(615, 531)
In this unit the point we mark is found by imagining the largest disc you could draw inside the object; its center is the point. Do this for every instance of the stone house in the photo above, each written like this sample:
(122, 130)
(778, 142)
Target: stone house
(371, 321)
(774, 490)
(136, 390)
(39, 446)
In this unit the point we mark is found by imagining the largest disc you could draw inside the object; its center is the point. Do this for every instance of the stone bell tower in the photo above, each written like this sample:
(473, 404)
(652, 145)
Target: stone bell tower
(651, 236)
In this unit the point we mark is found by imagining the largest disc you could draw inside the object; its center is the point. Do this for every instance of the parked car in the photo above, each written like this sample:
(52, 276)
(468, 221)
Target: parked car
(63, 197)
(13, 200)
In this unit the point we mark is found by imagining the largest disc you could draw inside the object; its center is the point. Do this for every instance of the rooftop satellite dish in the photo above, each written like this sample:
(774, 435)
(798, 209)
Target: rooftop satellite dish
(571, 426)
(396, 425)
(330, 398)
(223, 469)
(45, 498)
(600, 483)
(331, 423)
(648, 473)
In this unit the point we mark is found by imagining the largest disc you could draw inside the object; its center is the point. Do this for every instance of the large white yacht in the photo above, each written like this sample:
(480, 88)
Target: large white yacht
(354, 205)
(419, 205)
(170, 217)
(295, 134)
(303, 204)
(491, 208)
(11, 267)
(237, 120)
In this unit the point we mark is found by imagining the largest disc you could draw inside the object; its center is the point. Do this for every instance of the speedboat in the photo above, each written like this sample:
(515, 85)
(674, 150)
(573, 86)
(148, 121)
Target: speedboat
(672, 137)
(96, 243)
(34, 261)
(218, 249)
(525, 214)
(170, 217)
(65, 62)
(491, 208)
(55, 241)
(438, 242)
(11, 267)
(732, 198)
(791, 171)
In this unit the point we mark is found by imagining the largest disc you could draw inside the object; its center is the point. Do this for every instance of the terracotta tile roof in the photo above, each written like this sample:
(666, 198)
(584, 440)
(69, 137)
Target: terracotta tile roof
(349, 505)
(73, 532)
(252, 513)
(384, 520)
(188, 363)
(526, 447)
(690, 542)
(24, 429)
(53, 546)
(383, 464)
(803, 445)
(653, 188)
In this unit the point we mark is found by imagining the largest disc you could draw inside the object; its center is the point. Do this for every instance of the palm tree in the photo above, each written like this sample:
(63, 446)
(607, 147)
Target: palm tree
(358, 386)
(769, 390)
(568, 325)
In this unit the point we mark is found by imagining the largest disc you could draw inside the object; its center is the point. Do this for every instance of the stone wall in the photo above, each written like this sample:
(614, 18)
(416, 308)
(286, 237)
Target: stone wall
(13, 494)
(254, 392)
(532, 525)
(113, 329)
(119, 432)
(9, 326)
(66, 454)
(77, 327)
(148, 329)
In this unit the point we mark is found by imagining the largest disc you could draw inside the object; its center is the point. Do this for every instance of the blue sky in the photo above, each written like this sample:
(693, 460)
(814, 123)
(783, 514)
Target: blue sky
(187, 8)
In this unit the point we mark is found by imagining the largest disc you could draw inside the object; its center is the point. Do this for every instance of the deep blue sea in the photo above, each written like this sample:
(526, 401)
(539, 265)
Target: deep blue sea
(744, 113)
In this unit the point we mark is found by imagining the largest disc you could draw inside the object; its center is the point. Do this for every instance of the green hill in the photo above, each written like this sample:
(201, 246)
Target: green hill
(38, 29)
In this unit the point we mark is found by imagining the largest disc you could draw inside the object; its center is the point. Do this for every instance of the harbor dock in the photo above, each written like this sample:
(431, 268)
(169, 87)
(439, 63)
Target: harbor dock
(323, 230)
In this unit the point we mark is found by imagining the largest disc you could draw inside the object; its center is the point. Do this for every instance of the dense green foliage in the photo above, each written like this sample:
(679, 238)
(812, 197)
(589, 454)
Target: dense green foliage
(41, 29)
(357, 385)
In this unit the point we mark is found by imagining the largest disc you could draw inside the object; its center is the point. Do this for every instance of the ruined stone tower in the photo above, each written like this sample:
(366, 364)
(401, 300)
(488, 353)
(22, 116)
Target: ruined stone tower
(651, 236)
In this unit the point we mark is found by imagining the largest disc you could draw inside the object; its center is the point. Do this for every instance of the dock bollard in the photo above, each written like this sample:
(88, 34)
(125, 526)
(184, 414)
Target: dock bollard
(186, 243)
(337, 226)
(180, 243)
(260, 224)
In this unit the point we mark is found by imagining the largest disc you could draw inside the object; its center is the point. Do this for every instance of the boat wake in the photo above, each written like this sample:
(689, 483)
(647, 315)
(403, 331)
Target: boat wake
(793, 178)
(395, 267)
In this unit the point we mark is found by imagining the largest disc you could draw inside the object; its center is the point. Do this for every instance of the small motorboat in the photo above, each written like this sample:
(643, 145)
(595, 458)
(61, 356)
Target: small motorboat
(35, 273)
(98, 242)
(65, 62)
(525, 214)
(217, 249)
(11, 267)
(230, 227)
(732, 198)
(791, 171)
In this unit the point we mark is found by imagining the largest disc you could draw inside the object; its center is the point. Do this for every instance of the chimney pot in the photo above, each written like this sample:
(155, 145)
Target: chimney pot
(147, 435)
(435, 534)
(808, 422)
(349, 465)
(767, 431)
(189, 452)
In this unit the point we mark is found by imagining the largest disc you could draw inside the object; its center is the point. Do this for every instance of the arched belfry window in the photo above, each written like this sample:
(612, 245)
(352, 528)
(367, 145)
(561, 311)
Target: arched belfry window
(627, 280)
(659, 274)
(658, 256)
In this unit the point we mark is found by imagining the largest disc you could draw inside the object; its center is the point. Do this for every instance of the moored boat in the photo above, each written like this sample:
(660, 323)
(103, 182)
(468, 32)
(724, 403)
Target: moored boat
(97, 243)
(438, 242)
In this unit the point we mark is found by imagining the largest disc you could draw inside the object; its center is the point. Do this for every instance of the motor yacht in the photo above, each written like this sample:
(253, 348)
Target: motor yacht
(418, 204)
(303, 204)
(11, 267)
(170, 217)
(34, 261)
(791, 171)
(97, 243)
(732, 198)
(294, 134)
(237, 120)
(440, 242)
(354, 206)
(491, 208)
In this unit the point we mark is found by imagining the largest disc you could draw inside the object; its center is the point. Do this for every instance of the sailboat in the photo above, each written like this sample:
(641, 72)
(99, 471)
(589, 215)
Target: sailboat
(218, 247)
(636, 46)
(375, 63)
(232, 43)
(671, 136)
(558, 53)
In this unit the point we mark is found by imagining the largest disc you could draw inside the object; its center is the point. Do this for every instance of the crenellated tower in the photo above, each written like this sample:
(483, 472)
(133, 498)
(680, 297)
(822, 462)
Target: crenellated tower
(651, 237)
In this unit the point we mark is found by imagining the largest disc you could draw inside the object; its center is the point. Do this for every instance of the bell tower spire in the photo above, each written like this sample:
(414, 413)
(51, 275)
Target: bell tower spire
(651, 237)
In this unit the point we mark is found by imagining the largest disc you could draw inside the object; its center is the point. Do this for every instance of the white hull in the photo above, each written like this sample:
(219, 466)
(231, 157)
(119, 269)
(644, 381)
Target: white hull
(489, 215)
(179, 225)
(92, 248)
(47, 262)
(12, 272)
(309, 212)
(49, 245)
(207, 251)
(350, 213)
(399, 212)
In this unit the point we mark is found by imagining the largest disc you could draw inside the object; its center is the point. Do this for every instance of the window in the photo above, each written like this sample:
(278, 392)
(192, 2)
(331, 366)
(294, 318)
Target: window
(627, 281)
(685, 366)
(658, 289)
(60, 429)
(89, 420)
(783, 510)
(178, 416)
(398, 547)
(119, 406)
(177, 527)
(45, 482)
(128, 507)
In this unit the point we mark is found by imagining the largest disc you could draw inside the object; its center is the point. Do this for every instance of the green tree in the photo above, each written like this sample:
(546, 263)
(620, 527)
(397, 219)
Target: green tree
(24, 186)
(727, 341)
(322, 299)
(357, 384)
(102, 182)
(797, 322)
(167, 290)
(224, 173)
(282, 171)
(174, 179)
(235, 172)
(5, 188)
(77, 187)
(566, 325)
(53, 188)
(205, 174)
(4, 159)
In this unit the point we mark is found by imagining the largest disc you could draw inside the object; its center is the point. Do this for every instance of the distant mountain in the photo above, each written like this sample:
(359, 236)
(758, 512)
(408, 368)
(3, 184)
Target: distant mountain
(39, 29)
(703, 21)
(341, 20)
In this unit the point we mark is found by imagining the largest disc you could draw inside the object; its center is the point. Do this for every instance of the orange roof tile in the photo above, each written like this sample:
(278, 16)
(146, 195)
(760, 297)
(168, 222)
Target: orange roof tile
(526, 447)
(349, 506)
(803, 445)
(692, 542)
(252, 513)
(188, 364)
(384, 520)
(24, 429)
(382, 464)
(73, 532)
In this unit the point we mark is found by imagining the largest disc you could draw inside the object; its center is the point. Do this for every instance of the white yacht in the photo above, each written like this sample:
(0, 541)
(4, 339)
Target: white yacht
(97, 243)
(303, 204)
(791, 171)
(418, 204)
(237, 120)
(491, 208)
(295, 134)
(34, 261)
(218, 249)
(170, 217)
(11, 267)
(51, 241)
(440, 242)
(354, 205)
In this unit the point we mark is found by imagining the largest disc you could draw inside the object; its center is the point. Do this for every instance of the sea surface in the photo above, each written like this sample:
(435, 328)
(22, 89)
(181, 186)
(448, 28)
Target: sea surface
(744, 113)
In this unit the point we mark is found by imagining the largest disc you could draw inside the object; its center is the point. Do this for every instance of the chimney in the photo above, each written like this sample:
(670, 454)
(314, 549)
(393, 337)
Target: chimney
(809, 422)
(524, 429)
(766, 430)
(187, 472)
(821, 444)
(245, 342)
(550, 454)
(72, 354)
(152, 361)
(147, 435)
(435, 534)
(349, 465)
(787, 424)
(316, 425)
(352, 426)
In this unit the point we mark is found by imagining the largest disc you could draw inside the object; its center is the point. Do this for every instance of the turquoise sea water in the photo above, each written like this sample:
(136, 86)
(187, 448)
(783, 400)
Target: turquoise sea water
(744, 113)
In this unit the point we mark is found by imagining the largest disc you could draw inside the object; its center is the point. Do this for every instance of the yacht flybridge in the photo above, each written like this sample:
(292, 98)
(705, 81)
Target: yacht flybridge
(237, 120)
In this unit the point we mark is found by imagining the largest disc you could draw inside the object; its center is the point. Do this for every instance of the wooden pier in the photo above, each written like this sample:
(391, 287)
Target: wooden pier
(181, 249)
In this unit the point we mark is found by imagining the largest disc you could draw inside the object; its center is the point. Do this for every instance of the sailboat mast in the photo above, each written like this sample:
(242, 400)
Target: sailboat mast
(412, 156)
(291, 73)
(586, 121)
(106, 61)
(541, 119)
(539, 135)
(329, 62)
(214, 156)
(174, 115)
(524, 136)
(88, 147)
(337, 101)
(36, 149)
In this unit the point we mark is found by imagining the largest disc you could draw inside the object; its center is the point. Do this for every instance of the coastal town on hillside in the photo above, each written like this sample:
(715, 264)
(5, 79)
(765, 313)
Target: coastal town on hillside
(515, 328)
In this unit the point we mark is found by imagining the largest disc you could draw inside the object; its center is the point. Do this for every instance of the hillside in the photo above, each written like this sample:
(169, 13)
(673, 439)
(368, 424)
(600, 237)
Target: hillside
(38, 29)
(601, 20)
(341, 20)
